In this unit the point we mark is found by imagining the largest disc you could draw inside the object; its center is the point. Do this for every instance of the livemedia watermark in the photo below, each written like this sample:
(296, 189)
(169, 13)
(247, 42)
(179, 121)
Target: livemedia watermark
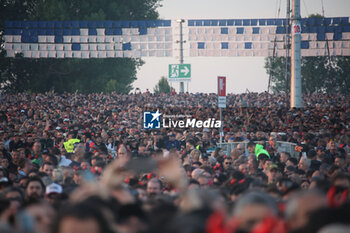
(155, 120)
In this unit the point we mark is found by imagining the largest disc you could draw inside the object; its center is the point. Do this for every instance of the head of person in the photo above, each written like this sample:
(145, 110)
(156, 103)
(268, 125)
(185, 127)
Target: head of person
(122, 152)
(227, 163)
(35, 188)
(204, 160)
(241, 148)
(36, 148)
(190, 144)
(25, 165)
(244, 168)
(304, 163)
(195, 155)
(272, 141)
(340, 161)
(53, 193)
(154, 187)
(293, 162)
(42, 213)
(79, 152)
(15, 195)
(203, 181)
(251, 147)
(272, 173)
(48, 168)
(284, 157)
(301, 205)
(341, 179)
(57, 175)
(15, 156)
(4, 162)
(82, 218)
(172, 137)
(252, 208)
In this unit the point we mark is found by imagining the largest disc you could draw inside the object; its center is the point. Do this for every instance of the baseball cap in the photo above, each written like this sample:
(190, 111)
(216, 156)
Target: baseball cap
(53, 188)
(273, 167)
(4, 180)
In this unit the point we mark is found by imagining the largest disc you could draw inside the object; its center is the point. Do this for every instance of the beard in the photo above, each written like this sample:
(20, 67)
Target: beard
(33, 197)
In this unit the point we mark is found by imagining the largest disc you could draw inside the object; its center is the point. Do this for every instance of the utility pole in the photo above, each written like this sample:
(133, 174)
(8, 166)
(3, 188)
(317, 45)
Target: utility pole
(286, 45)
(296, 93)
(180, 21)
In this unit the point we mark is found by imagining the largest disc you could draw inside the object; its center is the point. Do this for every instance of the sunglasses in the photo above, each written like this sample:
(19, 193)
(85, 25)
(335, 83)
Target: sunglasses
(228, 163)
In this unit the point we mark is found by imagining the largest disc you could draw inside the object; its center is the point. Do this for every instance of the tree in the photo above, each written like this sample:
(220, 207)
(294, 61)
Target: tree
(162, 86)
(319, 74)
(85, 75)
(275, 68)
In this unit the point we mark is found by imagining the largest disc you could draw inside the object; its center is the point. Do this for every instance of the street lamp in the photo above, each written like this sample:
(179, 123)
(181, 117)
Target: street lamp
(181, 21)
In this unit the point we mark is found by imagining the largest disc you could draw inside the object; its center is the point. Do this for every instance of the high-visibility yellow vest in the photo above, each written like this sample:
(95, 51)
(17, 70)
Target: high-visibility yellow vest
(69, 145)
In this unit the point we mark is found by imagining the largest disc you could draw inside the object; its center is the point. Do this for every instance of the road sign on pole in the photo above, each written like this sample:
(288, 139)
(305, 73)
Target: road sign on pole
(179, 72)
(221, 92)
(221, 100)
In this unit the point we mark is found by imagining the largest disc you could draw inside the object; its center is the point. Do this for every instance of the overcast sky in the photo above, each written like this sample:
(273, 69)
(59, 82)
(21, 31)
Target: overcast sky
(242, 72)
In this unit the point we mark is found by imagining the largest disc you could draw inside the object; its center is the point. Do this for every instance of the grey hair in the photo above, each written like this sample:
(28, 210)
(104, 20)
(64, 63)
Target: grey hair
(292, 204)
(307, 160)
(212, 160)
(253, 198)
(57, 176)
(196, 173)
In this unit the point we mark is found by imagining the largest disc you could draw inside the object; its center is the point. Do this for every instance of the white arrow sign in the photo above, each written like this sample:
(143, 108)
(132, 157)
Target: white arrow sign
(185, 70)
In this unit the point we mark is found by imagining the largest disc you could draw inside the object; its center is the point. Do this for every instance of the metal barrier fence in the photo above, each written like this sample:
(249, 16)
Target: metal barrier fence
(281, 147)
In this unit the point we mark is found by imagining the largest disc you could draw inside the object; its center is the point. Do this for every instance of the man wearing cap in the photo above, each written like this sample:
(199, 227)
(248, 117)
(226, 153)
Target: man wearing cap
(172, 142)
(257, 149)
(53, 193)
(272, 174)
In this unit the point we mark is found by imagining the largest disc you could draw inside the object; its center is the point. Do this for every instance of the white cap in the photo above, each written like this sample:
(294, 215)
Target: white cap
(53, 188)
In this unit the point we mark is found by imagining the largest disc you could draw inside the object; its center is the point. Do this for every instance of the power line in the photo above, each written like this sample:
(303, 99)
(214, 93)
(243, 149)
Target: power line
(322, 8)
(307, 12)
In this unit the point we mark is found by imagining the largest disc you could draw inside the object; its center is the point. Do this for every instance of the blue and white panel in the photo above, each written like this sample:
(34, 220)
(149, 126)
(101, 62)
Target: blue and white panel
(233, 37)
(259, 37)
(89, 39)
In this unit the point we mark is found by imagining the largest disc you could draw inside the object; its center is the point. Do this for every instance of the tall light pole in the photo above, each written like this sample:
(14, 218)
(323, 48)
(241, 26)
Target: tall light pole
(296, 92)
(181, 21)
(286, 45)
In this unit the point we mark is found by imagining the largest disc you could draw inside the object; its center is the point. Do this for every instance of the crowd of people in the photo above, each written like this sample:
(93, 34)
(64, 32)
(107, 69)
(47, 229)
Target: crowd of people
(83, 163)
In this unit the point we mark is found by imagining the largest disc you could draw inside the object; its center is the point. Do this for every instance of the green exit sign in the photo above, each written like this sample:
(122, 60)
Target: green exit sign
(179, 72)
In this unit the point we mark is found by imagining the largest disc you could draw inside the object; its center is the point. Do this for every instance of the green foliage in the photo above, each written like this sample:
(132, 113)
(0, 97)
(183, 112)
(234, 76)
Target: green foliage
(85, 75)
(275, 68)
(162, 86)
(319, 74)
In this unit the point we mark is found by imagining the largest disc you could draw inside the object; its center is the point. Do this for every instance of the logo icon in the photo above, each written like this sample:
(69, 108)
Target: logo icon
(151, 120)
